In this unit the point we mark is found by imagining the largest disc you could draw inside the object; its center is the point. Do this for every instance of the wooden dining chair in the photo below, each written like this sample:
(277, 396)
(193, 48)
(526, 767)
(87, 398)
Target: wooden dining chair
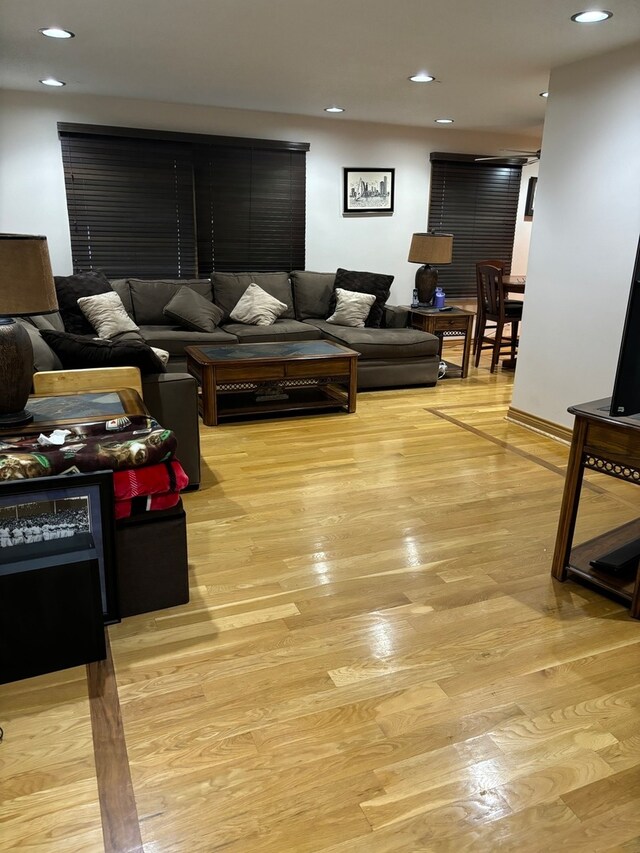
(480, 318)
(51, 382)
(498, 310)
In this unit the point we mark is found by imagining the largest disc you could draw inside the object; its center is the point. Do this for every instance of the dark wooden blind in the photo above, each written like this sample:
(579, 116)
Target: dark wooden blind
(130, 204)
(153, 204)
(477, 202)
(250, 207)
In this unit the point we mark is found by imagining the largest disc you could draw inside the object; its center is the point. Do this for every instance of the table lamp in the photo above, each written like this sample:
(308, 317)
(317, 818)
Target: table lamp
(427, 249)
(26, 287)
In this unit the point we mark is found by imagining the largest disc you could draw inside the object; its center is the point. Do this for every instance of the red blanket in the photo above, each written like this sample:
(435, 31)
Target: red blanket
(150, 488)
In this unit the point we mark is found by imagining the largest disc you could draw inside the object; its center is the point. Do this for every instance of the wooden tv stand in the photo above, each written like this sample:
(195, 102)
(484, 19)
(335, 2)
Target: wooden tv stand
(611, 446)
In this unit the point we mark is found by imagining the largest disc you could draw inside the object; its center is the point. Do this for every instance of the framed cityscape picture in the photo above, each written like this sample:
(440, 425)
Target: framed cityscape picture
(368, 191)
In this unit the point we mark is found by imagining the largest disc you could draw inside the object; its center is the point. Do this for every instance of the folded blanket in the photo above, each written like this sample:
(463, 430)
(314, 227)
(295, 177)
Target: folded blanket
(151, 488)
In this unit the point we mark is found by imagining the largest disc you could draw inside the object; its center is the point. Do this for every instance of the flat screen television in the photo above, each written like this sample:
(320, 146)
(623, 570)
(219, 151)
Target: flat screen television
(625, 400)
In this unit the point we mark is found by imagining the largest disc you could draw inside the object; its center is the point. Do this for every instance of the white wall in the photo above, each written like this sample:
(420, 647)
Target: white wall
(32, 197)
(522, 237)
(584, 236)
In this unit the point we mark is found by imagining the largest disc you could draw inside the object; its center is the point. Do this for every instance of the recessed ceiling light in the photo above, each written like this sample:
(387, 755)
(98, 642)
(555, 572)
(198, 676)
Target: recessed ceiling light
(334, 109)
(51, 81)
(544, 94)
(56, 33)
(444, 121)
(593, 16)
(422, 77)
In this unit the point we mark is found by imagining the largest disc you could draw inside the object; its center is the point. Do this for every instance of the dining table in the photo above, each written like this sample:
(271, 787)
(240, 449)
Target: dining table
(514, 283)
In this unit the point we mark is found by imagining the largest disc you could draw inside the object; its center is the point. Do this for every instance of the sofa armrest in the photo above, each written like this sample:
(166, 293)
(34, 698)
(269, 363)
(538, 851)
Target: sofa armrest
(172, 399)
(396, 317)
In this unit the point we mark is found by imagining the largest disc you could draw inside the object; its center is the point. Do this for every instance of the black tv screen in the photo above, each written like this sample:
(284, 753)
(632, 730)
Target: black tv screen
(625, 400)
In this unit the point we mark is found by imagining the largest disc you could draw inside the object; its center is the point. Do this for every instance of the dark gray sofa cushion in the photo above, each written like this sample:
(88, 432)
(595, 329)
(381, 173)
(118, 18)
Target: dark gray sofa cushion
(149, 298)
(281, 330)
(228, 287)
(380, 343)
(192, 311)
(312, 292)
(174, 340)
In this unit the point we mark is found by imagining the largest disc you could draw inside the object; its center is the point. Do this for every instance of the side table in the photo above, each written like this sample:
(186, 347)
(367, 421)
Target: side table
(611, 446)
(457, 322)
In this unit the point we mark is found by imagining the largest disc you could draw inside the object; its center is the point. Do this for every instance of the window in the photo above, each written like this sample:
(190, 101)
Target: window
(477, 202)
(180, 205)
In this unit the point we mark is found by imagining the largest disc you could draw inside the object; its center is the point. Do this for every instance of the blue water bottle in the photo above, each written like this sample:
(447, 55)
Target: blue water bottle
(438, 298)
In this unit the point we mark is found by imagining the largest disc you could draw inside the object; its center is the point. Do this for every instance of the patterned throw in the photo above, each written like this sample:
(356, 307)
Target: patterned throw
(122, 443)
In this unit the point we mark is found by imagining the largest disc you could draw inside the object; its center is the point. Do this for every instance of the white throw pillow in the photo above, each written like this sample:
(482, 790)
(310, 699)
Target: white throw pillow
(162, 354)
(352, 308)
(257, 308)
(107, 314)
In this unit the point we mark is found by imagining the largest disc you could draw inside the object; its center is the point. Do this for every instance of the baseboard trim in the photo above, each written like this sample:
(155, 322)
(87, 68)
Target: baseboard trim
(533, 422)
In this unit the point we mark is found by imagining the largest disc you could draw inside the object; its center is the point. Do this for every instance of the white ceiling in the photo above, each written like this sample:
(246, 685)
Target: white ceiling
(492, 58)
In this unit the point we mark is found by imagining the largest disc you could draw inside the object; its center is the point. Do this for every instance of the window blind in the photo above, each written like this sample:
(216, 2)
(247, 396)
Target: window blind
(477, 202)
(250, 207)
(130, 204)
(152, 204)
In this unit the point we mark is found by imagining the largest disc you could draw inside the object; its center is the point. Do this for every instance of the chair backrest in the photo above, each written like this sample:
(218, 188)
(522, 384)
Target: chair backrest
(490, 289)
(94, 379)
(489, 262)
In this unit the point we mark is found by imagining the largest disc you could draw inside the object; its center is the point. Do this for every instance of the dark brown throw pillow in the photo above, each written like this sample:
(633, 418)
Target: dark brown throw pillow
(69, 288)
(364, 282)
(78, 353)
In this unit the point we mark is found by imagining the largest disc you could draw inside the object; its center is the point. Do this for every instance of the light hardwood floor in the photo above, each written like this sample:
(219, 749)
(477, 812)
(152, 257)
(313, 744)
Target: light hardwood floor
(374, 659)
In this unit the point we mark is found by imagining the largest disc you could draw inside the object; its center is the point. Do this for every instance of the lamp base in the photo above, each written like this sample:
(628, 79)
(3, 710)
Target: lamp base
(15, 419)
(16, 372)
(426, 283)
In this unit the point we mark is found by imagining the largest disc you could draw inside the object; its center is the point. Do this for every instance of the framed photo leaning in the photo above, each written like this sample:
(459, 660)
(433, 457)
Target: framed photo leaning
(368, 191)
(46, 522)
(56, 573)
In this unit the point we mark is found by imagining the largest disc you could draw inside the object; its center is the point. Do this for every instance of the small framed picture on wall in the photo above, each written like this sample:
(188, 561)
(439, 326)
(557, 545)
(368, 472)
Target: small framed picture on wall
(531, 197)
(369, 191)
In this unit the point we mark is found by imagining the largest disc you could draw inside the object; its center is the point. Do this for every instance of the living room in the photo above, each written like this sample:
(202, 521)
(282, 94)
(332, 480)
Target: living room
(426, 501)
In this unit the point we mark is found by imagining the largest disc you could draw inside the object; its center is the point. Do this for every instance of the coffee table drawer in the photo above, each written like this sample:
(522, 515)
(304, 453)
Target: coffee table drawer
(249, 372)
(326, 367)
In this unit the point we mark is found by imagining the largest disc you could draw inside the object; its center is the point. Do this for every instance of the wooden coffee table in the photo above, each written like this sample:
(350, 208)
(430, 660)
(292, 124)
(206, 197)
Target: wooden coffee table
(249, 379)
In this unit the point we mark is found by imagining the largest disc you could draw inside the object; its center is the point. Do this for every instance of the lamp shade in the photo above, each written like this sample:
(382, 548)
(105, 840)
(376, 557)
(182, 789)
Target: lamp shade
(26, 280)
(431, 248)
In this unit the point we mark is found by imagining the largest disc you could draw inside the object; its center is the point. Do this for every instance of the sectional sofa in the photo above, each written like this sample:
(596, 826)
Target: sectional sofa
(391, 356)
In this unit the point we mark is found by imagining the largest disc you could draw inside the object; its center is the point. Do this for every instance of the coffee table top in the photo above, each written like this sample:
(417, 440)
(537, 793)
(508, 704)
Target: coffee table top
(282, 350)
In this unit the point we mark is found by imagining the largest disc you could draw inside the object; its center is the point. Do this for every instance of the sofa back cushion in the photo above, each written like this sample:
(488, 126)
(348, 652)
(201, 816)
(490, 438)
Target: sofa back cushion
(149, 298)
(121, 287)
(312, 293)
(229, 287)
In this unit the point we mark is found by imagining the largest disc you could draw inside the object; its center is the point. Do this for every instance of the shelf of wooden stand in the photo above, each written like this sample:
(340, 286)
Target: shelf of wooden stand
(579, 561)
(315, 397)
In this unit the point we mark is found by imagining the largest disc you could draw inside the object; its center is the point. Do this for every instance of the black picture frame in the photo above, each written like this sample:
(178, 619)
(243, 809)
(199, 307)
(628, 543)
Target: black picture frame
(368, 191)
(531, 197)
(69, 519)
